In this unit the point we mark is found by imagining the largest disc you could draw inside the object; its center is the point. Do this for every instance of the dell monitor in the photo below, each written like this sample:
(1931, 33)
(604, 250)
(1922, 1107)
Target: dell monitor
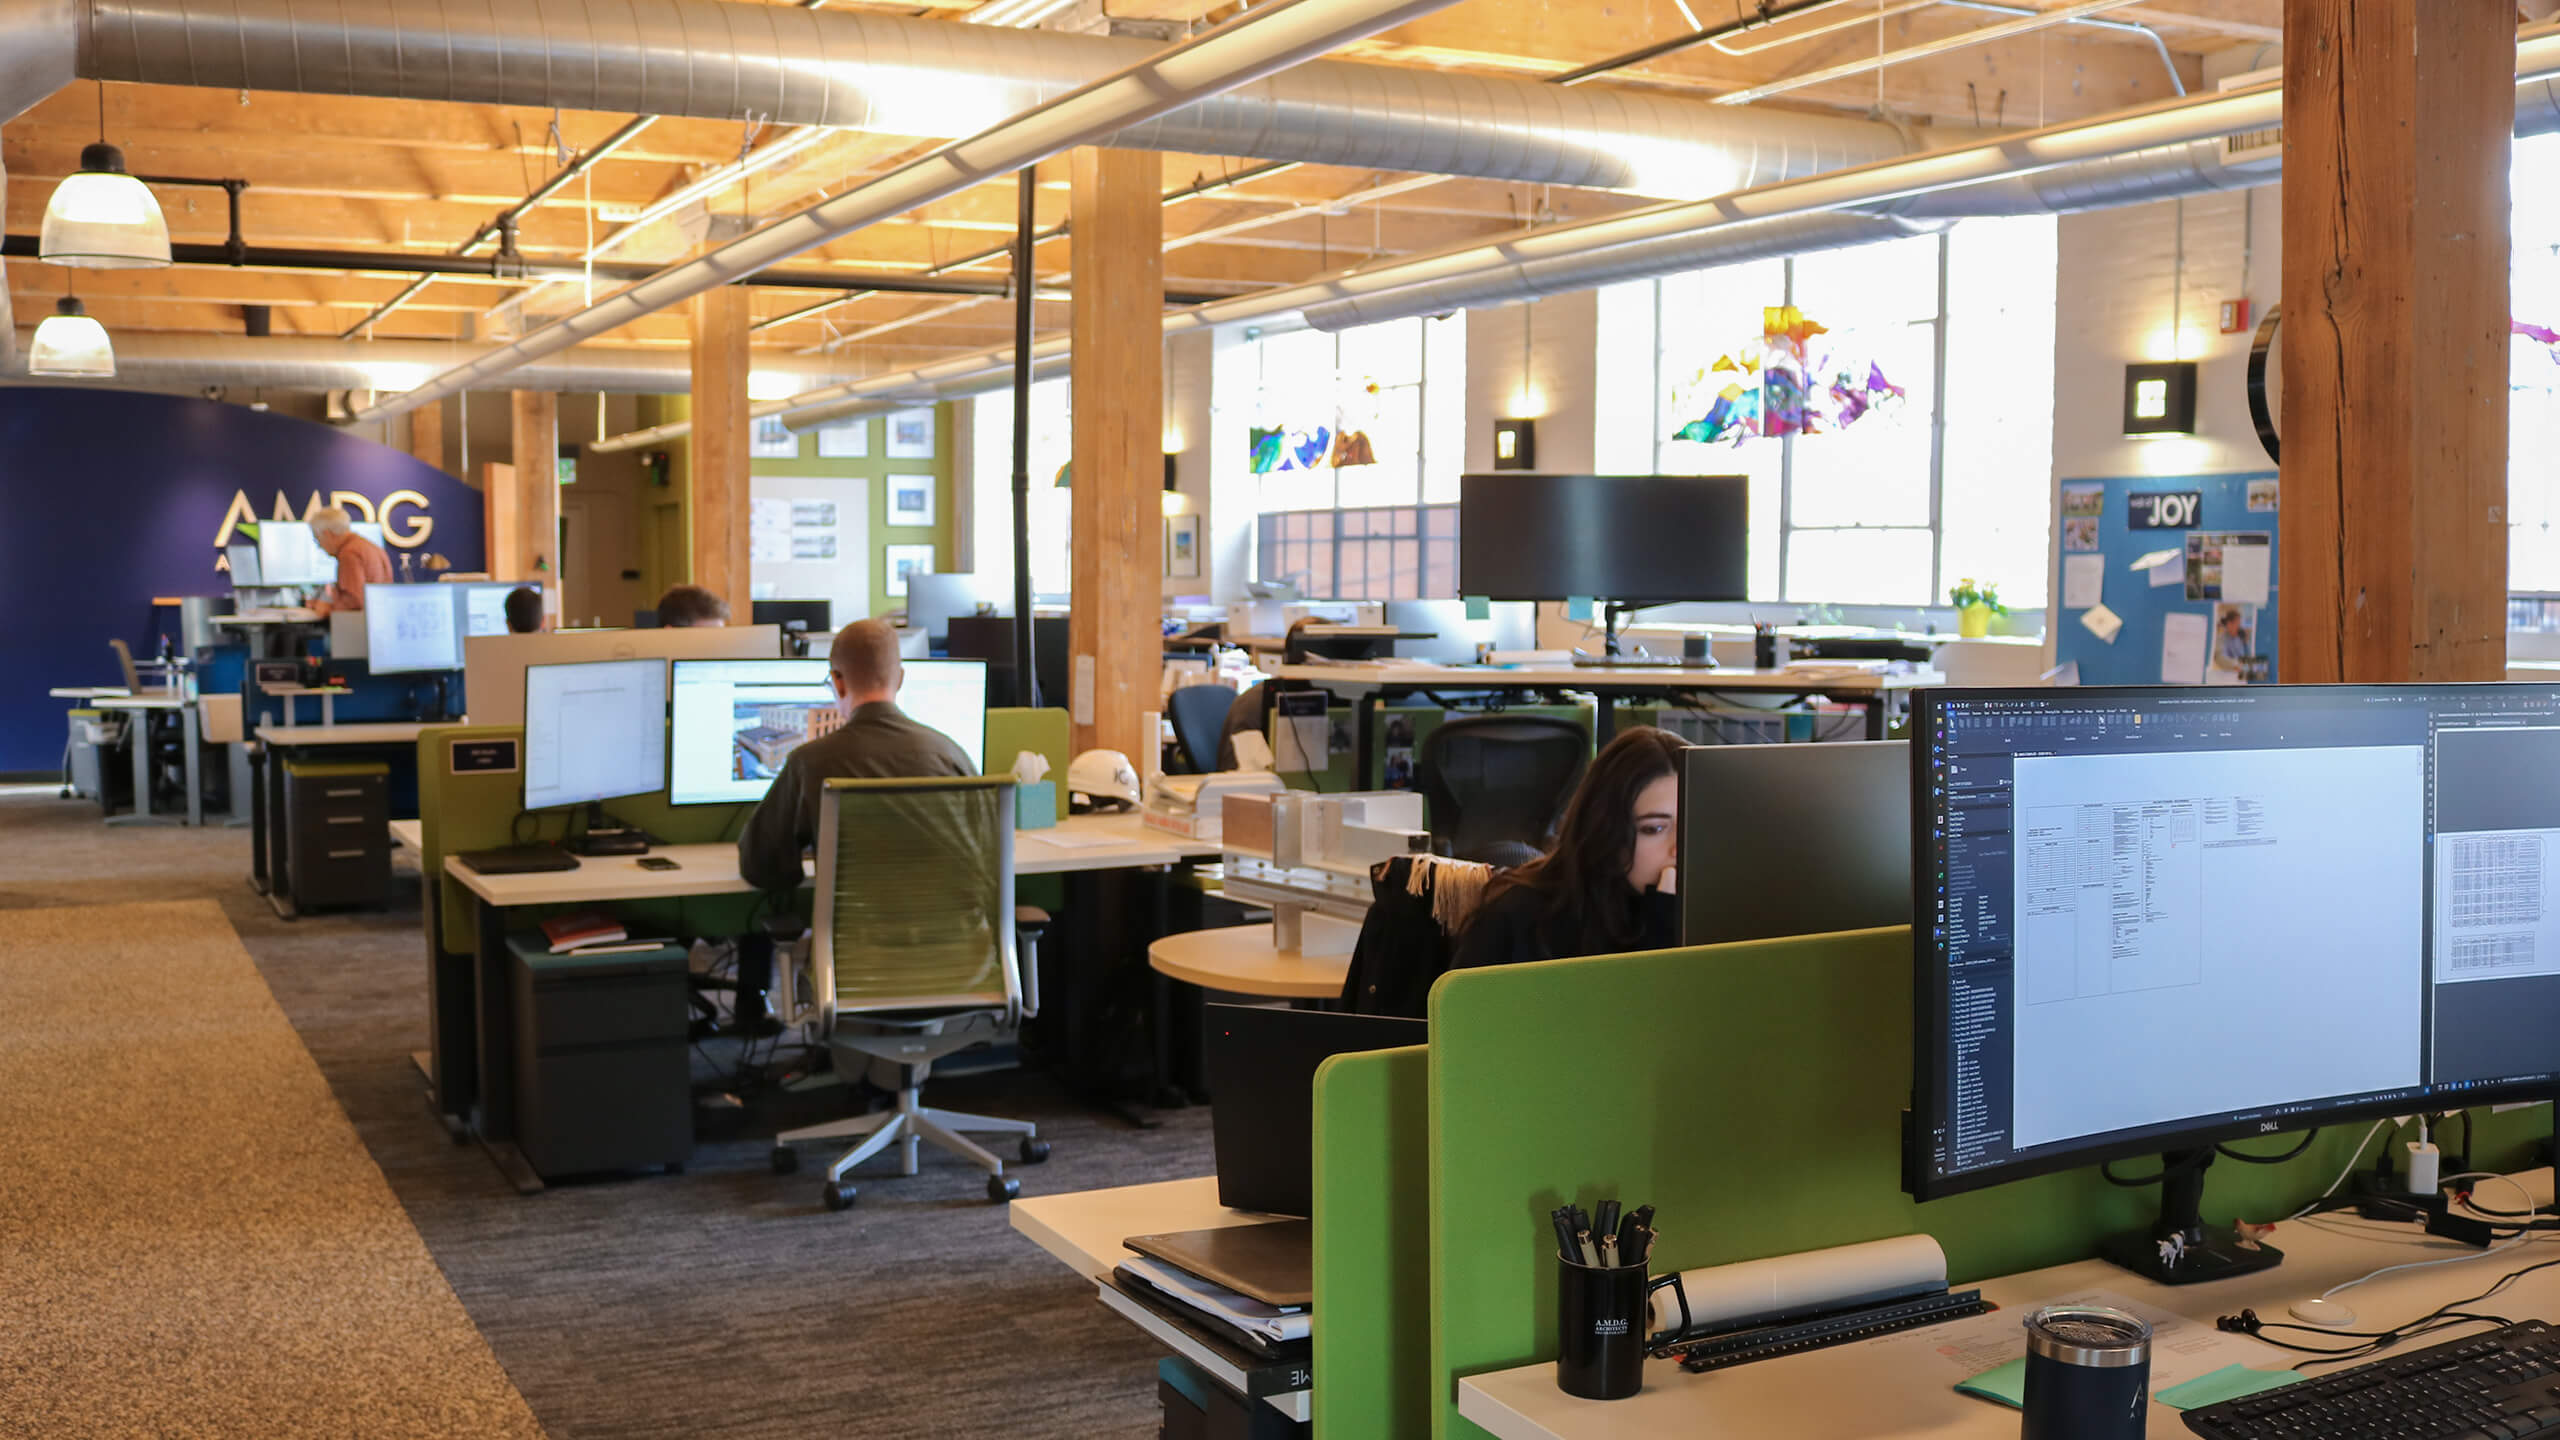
(1780, 840)
(594, 731)
(736, 722)
(1633, 539)
(409, 628)
(2158, 919)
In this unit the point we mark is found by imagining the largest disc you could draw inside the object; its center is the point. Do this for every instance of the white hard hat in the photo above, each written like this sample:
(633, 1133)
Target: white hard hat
(1103, 776)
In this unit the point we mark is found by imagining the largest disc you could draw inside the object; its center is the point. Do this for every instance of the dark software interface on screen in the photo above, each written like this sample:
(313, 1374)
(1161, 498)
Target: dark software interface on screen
(2160, 912)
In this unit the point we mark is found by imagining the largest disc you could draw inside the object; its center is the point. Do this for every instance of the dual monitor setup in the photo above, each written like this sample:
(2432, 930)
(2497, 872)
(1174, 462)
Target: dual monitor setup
(414, 628)
(718, 732)
(285, 552)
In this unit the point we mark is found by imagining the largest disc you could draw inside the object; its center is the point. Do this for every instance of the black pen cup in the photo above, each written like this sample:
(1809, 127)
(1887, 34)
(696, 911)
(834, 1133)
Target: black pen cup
(1601, 1312)
(2088, 1374)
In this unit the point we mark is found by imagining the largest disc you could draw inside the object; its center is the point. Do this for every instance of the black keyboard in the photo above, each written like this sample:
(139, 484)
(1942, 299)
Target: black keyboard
(2500, 1386)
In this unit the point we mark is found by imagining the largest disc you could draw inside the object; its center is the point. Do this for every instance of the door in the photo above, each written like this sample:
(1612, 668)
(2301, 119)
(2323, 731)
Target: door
(599, 559)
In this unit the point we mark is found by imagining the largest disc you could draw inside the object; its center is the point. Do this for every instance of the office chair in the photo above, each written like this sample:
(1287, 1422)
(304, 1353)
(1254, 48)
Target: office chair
(915, 956)
(1199, 721)
(1495, 784)
(124, 662)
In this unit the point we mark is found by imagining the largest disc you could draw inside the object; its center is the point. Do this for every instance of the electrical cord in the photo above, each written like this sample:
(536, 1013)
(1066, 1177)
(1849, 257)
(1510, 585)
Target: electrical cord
(2136, 1182)
(2246, 1158)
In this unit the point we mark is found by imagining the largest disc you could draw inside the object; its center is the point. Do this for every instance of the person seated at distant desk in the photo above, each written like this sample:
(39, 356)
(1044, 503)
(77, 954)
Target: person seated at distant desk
(1252, 708)
(524, 610)
(360, 561)
(877, 741)
(686, 607)
(1606, 886)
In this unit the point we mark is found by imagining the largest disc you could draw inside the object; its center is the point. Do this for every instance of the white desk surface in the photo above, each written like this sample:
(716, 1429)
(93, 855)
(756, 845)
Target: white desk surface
(1902, 1385)
(306, 689)
(88, 692)
(411, 834)
(1589, 677)
(1101, 842)
(146, 700)
(1242, 959)
(388, 732)
(289, 617)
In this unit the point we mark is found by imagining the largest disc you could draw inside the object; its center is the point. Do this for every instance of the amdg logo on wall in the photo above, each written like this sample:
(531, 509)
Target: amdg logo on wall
(402, 514)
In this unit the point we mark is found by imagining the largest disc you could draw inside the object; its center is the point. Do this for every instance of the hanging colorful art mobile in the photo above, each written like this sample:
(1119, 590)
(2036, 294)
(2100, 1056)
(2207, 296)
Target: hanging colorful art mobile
(1776, 386)
(1280, 448)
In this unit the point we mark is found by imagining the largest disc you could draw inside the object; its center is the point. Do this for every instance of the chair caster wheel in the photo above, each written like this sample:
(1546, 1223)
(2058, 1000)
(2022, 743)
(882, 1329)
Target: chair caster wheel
(839, 1194)
(1034, 1151)
(786, 1161)
(1001, 1188)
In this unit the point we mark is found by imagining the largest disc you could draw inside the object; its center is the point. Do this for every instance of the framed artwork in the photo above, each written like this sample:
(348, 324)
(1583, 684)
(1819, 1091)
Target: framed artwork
(845, 440)
(1182, 546)
(906, 560)
(911, 500)
(772, 440)
(911, 435)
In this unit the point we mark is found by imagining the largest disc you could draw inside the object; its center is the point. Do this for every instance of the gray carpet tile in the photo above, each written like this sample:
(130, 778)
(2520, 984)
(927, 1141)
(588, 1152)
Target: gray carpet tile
(723, 1301)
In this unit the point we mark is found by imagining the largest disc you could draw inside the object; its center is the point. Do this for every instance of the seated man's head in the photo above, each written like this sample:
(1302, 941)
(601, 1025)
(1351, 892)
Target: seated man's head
(524, 610)
(687, 606)
(863, 664)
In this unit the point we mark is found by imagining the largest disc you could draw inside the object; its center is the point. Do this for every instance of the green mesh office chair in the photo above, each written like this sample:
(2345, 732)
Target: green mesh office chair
(914, 949)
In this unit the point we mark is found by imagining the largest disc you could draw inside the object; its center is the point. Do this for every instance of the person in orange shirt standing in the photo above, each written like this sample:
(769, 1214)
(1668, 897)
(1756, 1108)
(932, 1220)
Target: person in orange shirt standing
(360, 561)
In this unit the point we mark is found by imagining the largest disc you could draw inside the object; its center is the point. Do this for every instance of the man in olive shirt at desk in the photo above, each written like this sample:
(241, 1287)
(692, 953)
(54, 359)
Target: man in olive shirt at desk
(360, 561)
(876, 741)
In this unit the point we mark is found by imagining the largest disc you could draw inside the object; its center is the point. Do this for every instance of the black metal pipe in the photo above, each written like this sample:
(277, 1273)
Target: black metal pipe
(1026, 667)
(1764, 13)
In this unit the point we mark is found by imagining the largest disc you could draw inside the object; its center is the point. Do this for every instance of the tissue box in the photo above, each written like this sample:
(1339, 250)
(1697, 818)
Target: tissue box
(1035, 806)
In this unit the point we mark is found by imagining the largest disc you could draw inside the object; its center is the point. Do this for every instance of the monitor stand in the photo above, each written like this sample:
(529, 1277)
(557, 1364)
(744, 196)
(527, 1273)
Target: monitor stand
(1613, 653)
(601, 835)
(2180, 1249)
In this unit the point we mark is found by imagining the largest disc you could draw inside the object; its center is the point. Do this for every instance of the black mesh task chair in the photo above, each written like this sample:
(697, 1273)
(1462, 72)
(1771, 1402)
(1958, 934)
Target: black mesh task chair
(1199, 720)
(1497, 783)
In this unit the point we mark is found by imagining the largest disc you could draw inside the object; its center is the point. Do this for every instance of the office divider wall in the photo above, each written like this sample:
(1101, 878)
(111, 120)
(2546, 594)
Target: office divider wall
(1754, 1092)
(1372, 1269)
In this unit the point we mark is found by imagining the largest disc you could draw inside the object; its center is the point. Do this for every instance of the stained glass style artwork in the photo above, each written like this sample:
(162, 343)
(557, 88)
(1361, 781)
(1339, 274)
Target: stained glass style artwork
(1790, 397)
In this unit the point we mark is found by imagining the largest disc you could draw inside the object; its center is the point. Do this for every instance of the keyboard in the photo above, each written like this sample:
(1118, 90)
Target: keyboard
(2504, 1385)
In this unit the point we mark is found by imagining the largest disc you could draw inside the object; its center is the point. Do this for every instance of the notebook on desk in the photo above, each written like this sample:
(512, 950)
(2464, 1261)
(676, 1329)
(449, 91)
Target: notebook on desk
(518, 859)
(1273, 1263)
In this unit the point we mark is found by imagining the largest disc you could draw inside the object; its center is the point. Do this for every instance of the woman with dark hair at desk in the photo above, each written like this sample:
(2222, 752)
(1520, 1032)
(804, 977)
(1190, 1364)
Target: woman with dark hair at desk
(1605, 886)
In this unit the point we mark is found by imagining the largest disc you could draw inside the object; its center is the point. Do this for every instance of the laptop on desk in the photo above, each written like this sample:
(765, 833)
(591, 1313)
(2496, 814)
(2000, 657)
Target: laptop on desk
(1261, 1065)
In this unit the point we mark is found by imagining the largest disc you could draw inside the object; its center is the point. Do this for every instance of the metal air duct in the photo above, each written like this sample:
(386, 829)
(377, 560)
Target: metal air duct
(323, 363)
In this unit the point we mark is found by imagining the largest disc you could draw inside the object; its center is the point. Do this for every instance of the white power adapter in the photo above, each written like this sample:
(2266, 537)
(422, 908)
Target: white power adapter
(2425, 1163)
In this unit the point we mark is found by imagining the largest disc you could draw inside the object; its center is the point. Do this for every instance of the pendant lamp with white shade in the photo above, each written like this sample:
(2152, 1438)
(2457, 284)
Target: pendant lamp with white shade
(101, 218)
(70, 344)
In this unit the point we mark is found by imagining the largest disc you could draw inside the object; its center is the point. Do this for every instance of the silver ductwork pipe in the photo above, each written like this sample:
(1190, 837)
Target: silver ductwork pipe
(787, 65)
(320, 363)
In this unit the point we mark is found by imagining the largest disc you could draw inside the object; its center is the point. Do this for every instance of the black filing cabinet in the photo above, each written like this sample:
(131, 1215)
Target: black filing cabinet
(336, 833)
(602, 1078)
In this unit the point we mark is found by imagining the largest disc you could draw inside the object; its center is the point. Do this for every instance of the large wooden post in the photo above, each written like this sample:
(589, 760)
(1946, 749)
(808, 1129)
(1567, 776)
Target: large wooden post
(717, 471)
(426, 433)
(2397, 121)
(1117, 230)
(502, 521)
(536, 452)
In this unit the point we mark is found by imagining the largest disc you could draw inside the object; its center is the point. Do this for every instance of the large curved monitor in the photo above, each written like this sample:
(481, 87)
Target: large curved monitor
(1635, 539)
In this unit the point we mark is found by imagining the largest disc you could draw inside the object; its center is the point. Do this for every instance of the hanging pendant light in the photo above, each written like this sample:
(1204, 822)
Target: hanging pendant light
(71, 344)
(101, 218)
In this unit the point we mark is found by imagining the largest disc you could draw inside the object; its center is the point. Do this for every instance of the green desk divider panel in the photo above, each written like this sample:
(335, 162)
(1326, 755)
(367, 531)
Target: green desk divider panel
(1372, 1269)
(1043, 732)
(1754, 1092)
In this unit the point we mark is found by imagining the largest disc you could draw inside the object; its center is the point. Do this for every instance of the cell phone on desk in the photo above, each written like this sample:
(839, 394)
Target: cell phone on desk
(658, 862)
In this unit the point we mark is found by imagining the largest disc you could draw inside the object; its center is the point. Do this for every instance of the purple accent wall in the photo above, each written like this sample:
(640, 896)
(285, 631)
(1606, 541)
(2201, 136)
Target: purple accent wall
(111, 497)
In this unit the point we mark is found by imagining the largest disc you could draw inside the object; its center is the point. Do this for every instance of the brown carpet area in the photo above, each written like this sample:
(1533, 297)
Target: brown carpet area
(192, 1239)
(721, 1302)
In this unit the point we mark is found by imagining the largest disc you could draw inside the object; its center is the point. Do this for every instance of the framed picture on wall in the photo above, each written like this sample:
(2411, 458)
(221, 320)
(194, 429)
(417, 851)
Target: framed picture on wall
(906, 560)
(911, 435)
(911, 500)
(845, 440)
(1182, 547)
(772, 440)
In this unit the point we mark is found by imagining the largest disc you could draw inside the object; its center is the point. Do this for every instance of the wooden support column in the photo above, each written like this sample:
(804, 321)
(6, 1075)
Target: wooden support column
(426, 434)
(1117, 370)
(2397, 122)
(537, 453)
(501, 521)
(716, 473)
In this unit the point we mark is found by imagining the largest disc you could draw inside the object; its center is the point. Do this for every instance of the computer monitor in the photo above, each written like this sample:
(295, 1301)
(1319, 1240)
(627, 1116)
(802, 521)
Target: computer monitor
(951, 696)
(243, 559)
(990, 638)
(412, 627)
(1261, 1066)
(484, 603)
(933, 601)
(736, 722)
(288, 555)
(594, 731)
(1635, 539)
(1794, 839)
(814, 616)
(1507, 626)
(2154, 919)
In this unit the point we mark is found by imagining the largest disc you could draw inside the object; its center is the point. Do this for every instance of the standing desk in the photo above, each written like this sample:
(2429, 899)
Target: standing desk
(1607, 684)
(266, 788)
(1901, 1385)
(473, 1051)
(1084, 1231)
(141, 706)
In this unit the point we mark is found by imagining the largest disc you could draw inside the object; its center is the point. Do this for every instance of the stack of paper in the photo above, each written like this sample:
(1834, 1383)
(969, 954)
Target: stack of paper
(1217, 1303)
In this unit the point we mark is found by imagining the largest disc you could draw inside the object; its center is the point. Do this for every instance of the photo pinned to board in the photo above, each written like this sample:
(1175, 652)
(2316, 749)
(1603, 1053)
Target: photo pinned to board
(2084, 502)
(2234, 658)
(2080, 534)
(2229, 565)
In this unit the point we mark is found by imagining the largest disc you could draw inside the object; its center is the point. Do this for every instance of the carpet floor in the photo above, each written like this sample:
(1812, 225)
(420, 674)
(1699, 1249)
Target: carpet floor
(196, 1243)
(721, 1302)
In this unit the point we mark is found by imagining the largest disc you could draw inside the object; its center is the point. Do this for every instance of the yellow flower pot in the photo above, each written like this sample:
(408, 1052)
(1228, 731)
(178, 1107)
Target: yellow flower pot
(1973, 622)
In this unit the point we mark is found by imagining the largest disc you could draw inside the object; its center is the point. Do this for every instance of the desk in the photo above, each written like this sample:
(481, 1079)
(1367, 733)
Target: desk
(1244, 960)
(141, 707)
(1899, 1386)
(328, 700)
(1870, 691)
(479, 1044)
(1084, 1230)
(266, 789)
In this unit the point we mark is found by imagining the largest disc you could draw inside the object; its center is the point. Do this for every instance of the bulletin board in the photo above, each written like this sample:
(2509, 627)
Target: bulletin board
(2105, 526)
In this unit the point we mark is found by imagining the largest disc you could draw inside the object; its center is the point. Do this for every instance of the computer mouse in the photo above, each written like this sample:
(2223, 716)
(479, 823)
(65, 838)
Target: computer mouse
(2327, 1313)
